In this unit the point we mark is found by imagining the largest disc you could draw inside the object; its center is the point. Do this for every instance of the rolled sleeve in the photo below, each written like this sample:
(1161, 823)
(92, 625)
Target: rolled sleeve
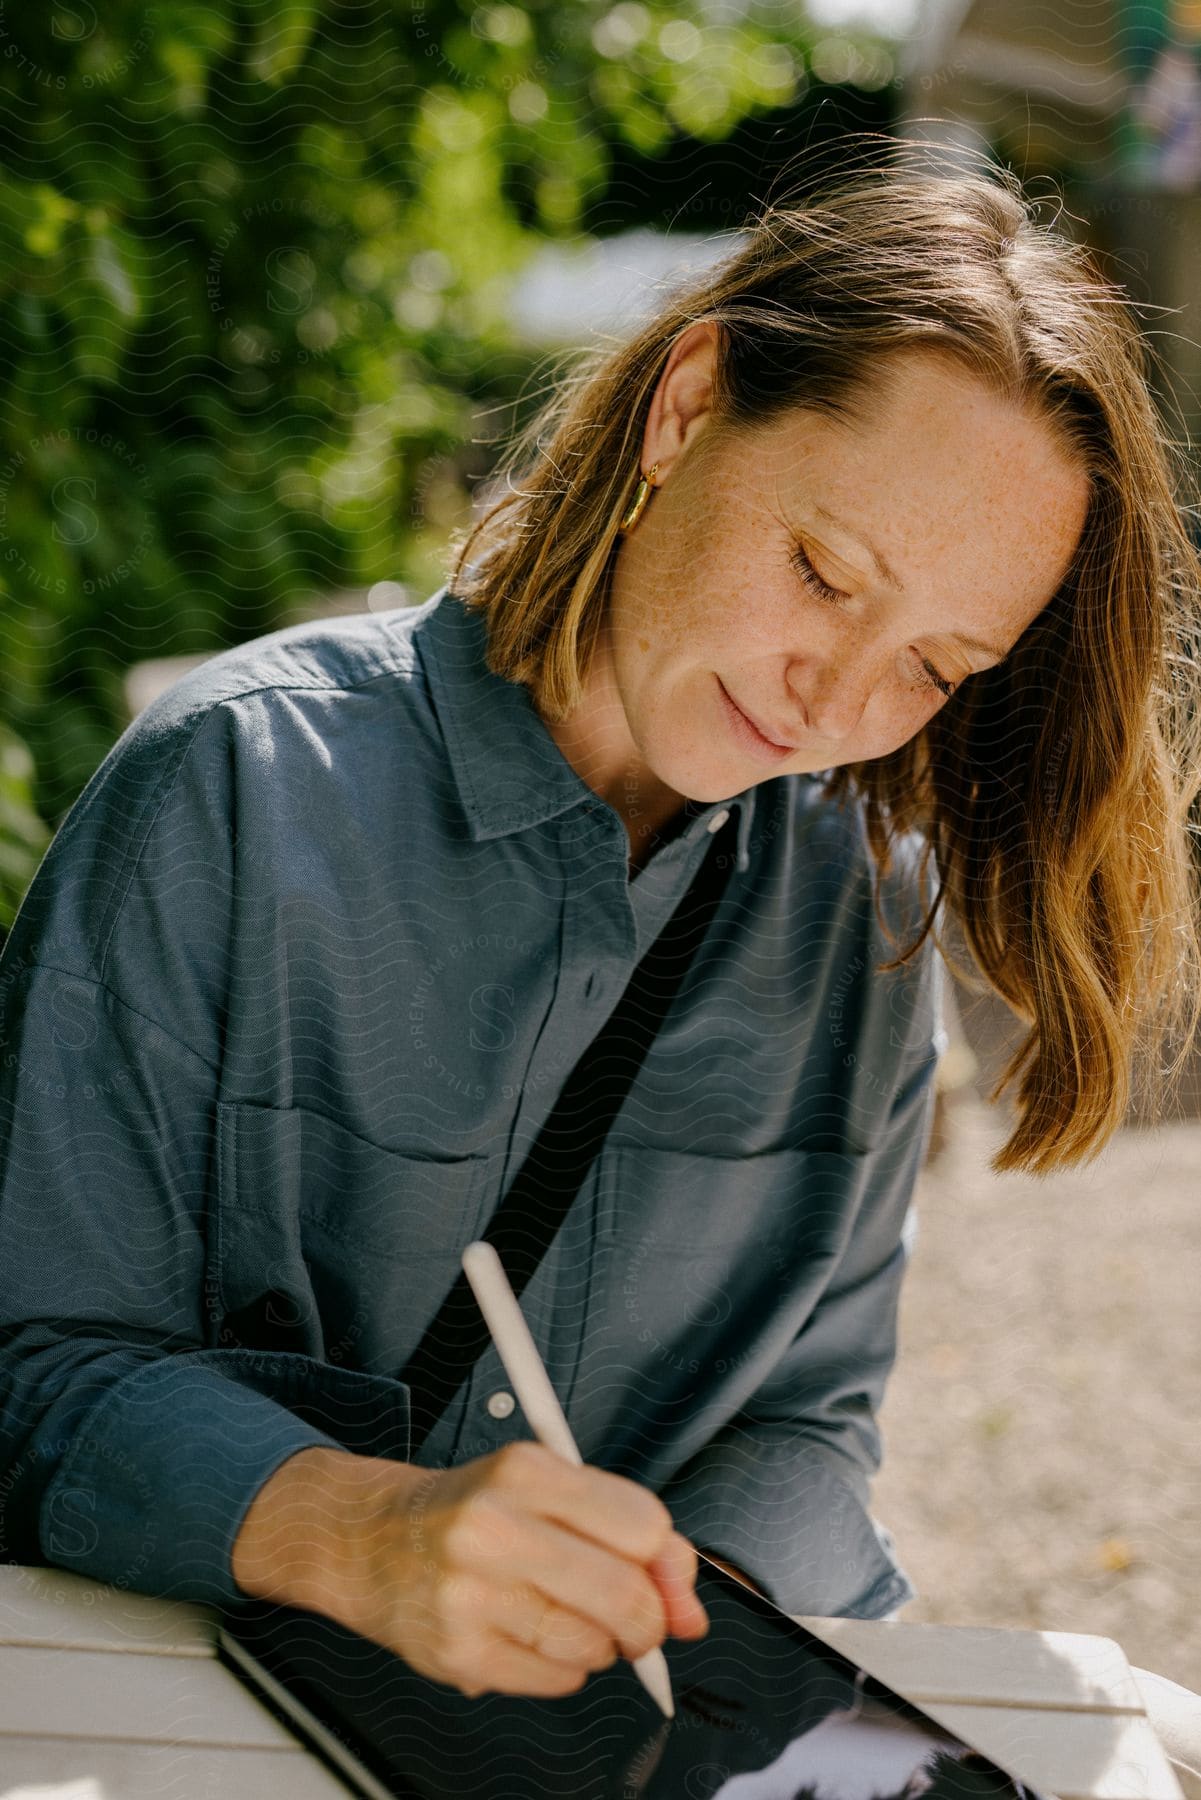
(155, 1483)
(781, 1510)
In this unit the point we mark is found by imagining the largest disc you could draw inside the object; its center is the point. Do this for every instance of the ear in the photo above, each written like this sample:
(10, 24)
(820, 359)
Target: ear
(681, 404)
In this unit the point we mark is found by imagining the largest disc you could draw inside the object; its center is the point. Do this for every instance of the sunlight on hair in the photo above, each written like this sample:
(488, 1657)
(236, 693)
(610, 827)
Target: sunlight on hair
(1052, 794)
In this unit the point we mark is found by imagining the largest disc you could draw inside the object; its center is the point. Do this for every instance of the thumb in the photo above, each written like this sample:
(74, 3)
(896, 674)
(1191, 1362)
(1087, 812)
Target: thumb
(673, 1572)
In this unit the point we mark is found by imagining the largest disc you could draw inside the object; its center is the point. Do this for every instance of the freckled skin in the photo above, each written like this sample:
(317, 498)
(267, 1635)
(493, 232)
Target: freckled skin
(970, 501)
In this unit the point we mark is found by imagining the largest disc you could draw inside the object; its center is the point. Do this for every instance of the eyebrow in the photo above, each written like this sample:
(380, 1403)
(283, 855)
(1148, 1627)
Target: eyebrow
(890, 575)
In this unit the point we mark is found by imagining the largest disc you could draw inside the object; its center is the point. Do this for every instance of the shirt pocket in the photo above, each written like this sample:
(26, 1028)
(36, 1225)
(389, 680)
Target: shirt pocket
(684, 1203)
(706, 1267)
(329, 1244)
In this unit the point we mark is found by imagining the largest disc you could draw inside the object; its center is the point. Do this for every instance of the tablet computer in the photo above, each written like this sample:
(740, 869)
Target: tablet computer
(764, 1711)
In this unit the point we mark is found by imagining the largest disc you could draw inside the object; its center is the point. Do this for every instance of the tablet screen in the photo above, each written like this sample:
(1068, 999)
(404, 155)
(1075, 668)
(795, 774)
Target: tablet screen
(764, 1711)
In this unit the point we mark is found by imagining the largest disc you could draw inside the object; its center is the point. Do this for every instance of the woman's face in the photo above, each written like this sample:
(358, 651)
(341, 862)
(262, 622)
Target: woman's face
(718, 591)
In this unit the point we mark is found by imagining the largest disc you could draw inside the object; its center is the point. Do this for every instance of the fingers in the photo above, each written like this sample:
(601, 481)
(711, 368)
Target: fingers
(626, 1521)
(511, 1669)
(613, 1594)
(466, 1647)
(620, 1514)
(538, 1573)
(559, 1633)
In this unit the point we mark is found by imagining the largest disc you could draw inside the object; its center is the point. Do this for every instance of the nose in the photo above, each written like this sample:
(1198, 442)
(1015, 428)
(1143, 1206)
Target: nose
(834, 696)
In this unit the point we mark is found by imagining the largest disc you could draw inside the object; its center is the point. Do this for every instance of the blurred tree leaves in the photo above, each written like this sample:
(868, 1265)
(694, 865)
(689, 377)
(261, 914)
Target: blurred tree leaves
(23, 836)
(254, 269)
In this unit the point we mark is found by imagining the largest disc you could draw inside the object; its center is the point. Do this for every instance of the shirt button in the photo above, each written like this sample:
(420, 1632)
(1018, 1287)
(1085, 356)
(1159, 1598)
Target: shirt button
(718, 820)
(501, 1404)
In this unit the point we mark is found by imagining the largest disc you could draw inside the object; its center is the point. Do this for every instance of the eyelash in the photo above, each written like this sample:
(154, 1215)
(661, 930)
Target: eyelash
(835, 597)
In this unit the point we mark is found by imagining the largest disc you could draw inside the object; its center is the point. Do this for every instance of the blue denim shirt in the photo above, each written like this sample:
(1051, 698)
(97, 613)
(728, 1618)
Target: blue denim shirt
(290, 996)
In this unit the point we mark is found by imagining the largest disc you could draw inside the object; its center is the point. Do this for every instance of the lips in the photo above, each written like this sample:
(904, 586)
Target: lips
(749, 737)
(781, 743)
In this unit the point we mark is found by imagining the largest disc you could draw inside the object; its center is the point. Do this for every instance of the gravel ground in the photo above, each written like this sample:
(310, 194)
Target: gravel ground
(1042, 1427)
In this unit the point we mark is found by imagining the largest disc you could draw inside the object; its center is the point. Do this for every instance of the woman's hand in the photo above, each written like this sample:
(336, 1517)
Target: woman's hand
(519, 1572)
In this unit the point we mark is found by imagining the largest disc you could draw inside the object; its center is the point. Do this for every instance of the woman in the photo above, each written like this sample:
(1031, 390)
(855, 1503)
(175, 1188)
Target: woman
(863, 551)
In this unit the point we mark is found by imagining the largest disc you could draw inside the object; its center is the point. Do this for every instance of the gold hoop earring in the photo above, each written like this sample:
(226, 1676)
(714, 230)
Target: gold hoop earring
(641, 496)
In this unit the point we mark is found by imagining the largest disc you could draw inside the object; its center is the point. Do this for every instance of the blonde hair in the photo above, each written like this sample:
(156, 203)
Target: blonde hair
(1054, 790)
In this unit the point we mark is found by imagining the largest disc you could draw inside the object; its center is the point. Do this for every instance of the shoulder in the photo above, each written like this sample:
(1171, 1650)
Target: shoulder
(320, 656)
(274, 715)
(290, 709)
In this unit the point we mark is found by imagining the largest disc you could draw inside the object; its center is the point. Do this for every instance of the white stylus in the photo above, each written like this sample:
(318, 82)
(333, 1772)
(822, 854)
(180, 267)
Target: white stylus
(525, 1369)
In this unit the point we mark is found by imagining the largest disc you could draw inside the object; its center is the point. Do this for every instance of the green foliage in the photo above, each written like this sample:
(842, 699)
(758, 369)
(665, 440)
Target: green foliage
(23, 836)
(254, 269)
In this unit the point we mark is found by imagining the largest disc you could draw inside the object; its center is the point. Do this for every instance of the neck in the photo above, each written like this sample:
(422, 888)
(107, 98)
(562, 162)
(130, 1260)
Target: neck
(596, 740)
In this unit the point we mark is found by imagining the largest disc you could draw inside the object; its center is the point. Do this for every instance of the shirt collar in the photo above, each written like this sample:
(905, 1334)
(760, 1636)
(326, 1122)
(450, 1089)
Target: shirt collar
(509, 771)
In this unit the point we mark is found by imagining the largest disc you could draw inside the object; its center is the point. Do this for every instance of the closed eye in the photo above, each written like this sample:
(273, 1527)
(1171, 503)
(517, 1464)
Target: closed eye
(835, 597)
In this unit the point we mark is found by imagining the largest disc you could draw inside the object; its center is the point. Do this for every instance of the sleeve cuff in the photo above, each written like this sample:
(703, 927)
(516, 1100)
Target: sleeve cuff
(153, 1488)
(797, 1527)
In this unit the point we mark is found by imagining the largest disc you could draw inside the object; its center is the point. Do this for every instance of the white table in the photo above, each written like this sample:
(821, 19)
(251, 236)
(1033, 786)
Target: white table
(110, 1695)
(1061, 1710)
